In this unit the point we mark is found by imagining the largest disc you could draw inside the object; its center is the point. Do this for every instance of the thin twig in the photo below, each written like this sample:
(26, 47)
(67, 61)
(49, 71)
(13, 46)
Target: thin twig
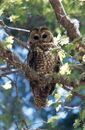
(13, 28)
(21, 43)
(80, 67)
(17, 128)
(8, 73)
(25, 123)
(18, 29)
(72, 108)
(5, 68)
(74, 93)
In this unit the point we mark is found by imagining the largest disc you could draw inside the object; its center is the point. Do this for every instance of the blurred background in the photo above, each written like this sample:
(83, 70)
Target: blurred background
(17, 108)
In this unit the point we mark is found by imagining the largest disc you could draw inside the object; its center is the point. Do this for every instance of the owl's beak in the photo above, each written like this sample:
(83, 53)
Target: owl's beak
(40, 39)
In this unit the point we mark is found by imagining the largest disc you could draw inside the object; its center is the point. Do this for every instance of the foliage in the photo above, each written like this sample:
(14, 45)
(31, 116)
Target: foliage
(64, 111)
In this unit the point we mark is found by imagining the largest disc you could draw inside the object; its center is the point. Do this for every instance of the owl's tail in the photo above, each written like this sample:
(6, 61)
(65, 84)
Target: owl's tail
(41, 93)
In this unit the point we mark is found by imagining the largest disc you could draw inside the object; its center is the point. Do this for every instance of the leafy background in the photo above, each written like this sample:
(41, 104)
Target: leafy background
(64, 111)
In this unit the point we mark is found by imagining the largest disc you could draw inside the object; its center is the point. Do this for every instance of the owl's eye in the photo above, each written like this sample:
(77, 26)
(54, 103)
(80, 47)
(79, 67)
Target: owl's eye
(36, 37)
(44, 36)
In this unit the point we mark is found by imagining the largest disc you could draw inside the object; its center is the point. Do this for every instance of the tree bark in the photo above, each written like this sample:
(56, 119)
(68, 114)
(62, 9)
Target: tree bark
(72, 30)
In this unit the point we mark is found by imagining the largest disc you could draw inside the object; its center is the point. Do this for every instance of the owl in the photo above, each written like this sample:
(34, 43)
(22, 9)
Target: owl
(43, 62)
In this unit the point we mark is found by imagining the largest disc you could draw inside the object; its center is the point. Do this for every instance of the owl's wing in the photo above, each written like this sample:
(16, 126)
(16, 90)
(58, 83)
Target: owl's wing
(56, 69)
(40, 93)
(31, 58)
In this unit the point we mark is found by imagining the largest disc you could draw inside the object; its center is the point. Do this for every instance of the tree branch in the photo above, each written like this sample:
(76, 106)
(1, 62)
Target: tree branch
(75, 93)
(72, 30)
(14, 60)
(4, 68)
(21, 43)
(13, 28)
(9, 72)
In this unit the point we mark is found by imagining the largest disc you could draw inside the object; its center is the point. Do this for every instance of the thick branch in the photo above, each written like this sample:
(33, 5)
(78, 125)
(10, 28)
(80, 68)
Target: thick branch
(12, 59)
(71, 26)
(72, 30)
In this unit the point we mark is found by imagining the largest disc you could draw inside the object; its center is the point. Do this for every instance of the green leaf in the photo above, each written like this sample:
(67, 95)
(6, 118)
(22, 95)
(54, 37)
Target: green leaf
(58, 106)
(7, 85)
(8, 42)
(53, 119)
(84, 127)
(82, 115)
(77, 123)
(49, 103)
(65, 69)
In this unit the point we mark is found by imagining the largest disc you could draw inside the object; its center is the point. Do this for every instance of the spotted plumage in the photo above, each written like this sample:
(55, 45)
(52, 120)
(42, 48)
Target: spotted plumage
(43, 61)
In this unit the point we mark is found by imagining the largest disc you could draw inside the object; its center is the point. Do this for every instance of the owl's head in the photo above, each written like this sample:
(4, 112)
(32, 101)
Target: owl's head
(41, 37)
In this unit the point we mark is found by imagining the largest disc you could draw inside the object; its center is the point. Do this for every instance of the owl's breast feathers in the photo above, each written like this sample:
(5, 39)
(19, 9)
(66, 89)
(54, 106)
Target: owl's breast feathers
(44, 62)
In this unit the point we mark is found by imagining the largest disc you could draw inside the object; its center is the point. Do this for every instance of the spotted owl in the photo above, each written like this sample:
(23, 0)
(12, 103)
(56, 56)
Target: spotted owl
(43, 62)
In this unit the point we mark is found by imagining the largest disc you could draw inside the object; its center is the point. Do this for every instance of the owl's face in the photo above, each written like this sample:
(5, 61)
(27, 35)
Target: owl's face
(41, 37)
